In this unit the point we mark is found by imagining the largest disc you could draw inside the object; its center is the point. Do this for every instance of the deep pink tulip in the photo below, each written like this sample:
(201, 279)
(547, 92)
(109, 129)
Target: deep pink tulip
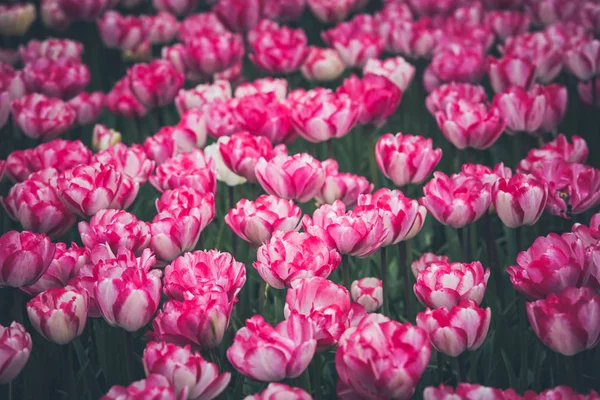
(589, 16)
(222, 118)
(154, 387)
(53, 16)
(583, 59)
(406, 159)
(256, 221)
(457, 200)
(238, 15)
(289, 256)
(171, 141)
(368, 292)
(199, 271)
(283, 10)
(341, 186)
(545, 12)
(63, 78)
(455, 62)
(354, 43)
(199, 320)
(485, 174)
(280, 391)
(425, 260)
(325, 303)
(510, 71)
(59, 314)
(262, 114)
(560, 393)
(367, 358)
(184, 197)
(202, 95)
(445, 284)
(130, 161)
(37, 208)
(397, 70)
(191, 169)
(277, 86)
(124, 32)
(177, 7)
(331, 11)
(186, 370)
(15, 348)
(507, 23)
(466, 391)
(155, 84)
(450, 93)
(559, 148)
(413, 39)
(41, 117)
(359, 233)
(551, 264)
(16, 19)
(51, 48)
(88, 106)
(289, 347)
(322, 65)
(199, 24)
(562, 320)
(87, 10)
(122, 102)
(522, 111)
(161, 28)
(540, 49)
(556, 106)
(519, 200)
(278, 50)
(455, 330)
(24, 257)
(586, 92)
(214, 52)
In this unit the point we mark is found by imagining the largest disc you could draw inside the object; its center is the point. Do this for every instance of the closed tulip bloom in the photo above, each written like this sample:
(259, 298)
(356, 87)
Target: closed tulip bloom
(16, 19)
(322, 65)
(171, 141)
(583, 59)
(262, 114)
(281, 50)
(540, 49)
(183, 197)
(161, 28)
(41, 117)
(59, 314)
(413, 39)
(122, 32)
(368, 292)
(15, 348)
(396, 69)
(507, 23)
(51, 48)
(368, 361)
(238, 15)
(341, 186)
(455, 330)
(444, 284)
(213, 52)
(455, 62)
(223, 172)
(267, 354)
(278, 391)
(331, 11)
(130, 161)
(551, 264)
(53, 16)
(510, 71)
(63, 78)
(425, 260)
(521, 110)
(222, 118)
(154, 387)
(545, 12)
(556, 106)
(467, 124)
(196, 271)
(326, 303)
(24, 257)
(177, 7)
(354, 43)
(289, 256)
(457, 200)
(575, 152)
(256, 221)
(122, 102)
(468, 391)
(562, 321)
(185, 370)
(88, 106)
(87, 10)
(202, 95)
(155, 84)
(191, 169)
(199, 320)
(519, 200)
(406, 159)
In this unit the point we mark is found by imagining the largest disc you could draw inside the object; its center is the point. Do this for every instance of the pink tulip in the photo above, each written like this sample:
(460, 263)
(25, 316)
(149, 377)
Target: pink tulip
(222, 118)
(367, 360)
(186, 169)
(130, 161)
(322, 65)
(186, 370)
(289, 256)
(583, 59)
(545, 12)
(154, 387)
(454, 330)
(16, 19)
(87, 10)
(161, 28)
(59, 314)
(559, 148)
(51, 48)
(171, 141)
(262, 114)
(122, 32)
(455, 62)
(281, 50)
(519, 200)
(289, 347)
(199, 24)
(368, 292)
(199, 320)
(507, 23)
(214, 52)
(406, 159)
(341, 186)
(457, 200)
(354, 43)
(330, 11)
(485, 174)
(397, 70)
(41, 117)
(556, 106)
(277, 86)
(510, 71)
(586, 92)
(451, 93)
(538, 48)
(521, 110)
(202, 95)
(155, 84)
(64, 266)
(425, 260)
(24, 257)
(15, 347)
(53, 16)
(184, 197)
(590, 16)
(122, 102)
(37, 208)
(468, 391)
(177, 7)
(551, 264)
(325, 303)
(62, 78)
(200, 270)
(256, 221)
(280, 391)
(283, 10)
(88, 106)
(560, 392)
(238, 15)
(562, 320)
(115, 228)
(413, 39)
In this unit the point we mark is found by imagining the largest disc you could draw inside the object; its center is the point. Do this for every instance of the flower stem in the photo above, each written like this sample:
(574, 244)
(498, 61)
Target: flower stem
(72, 386)
(129, 350)
(262, 296)
(523, 330)
(346, 271)
(317, 376)
(90, 379)
(440, 365)
(459, 369)
(330, 149)
(571, 371)
(518, 237)
(10, 390)
(492, 255)
(406, 280)
(384, 280)
(231, 194)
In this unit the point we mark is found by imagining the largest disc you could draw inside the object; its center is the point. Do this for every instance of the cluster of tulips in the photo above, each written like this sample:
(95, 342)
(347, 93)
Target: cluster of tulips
(265, 128)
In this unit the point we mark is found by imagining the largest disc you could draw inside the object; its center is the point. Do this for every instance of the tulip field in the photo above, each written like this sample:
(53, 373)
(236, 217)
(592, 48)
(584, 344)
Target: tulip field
(300, 199)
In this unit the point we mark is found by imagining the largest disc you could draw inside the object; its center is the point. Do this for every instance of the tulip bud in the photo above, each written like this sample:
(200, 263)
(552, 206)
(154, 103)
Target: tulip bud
(15, 347)
(24, 257)
(368, 292)
(322, 65)
(519, 200)
(425, 260)
(16, 19)
(397, 70)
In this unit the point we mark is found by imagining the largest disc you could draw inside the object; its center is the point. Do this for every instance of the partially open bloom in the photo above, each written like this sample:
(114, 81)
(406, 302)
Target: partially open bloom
(122, 102)
(368, 292)
(413, 39)
(280, 50)
(395, 69)
(468, 391)
(59, 314)
(171, 141)
(330, 11)
(191, 169)
(15, 346)
(214, 52)
(238, 15)
(559, 148)
(406, 159)
(177, 7)
(289, 347)
(256, 221)
(63, 78)
(367, 358)
(155, 386)
(457, 200)
(552, 263)
(186, 370)
(540, 49)
(103, 138)
(341, 186)
(124, 32)
(289, 256)
(51, 48)
(53, 16)
(562, 321)
(222, 118)
(262, 114)
(425, 260)
(16, 19)
(560, 392)
(455, 62)
(42, 117)
(24, 257)
(322, 64)
(326, 303)
(223, 172)
(199, 271)
(277, 86)
(354, 43)
(507, 23)
(519, 200)
(161, 28)
(545, 12)
(131, 161)
(184, 197)
(202, 95)
(522, 111)
(444, 284)
(556, 106)
(510, 71)
(450, 93)
(87, 10)
(88, 106)
(155, 84)
(280, 391)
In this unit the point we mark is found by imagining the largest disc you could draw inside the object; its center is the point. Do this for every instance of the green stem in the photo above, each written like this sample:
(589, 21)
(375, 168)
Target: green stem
(571, 371)
(473, 367)
(233, 235)
(460, 234)
(330, 149)
(262, 296)
(440, 364)
(402, 249)
(71, 383)
(524, 329)
(129, 350)
(317, 375)
(346, 271)
(10, 392)
(492, 255)
(518, 239)
(92, 386)
(384, 280)
(459, 369)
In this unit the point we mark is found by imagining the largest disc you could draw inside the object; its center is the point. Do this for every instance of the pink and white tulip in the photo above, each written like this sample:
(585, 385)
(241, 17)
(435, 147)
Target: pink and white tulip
(24, 257)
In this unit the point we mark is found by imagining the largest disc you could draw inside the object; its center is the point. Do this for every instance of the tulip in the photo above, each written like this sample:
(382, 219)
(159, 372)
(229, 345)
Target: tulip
(87, 10)
(155, 386)
(455, 62)
(223, 172)
(559, 148)
(88, 106)
(51, 48)
(389, 376)
(197, 271)
(62, 78)
(115, 228)
(562, 322)
(368, 292)
(24, 257)
(53, 16)
(122, 102)
(169, 142)
(545, 12)
(262, 114)
(414, 39)
(202, 95)
(155, 84)
(583, 59)
(556, 106)
(485, 174)
(214, 52)
(397, 70)
(406, 159)
(16, 19)
(199, 24)
(161, 27)
(426, 260)
(177, 7)
(551, 264)
(256, 221)
(191, 169)
(15, 346)
(468, 391)
(222, 118)
(354, 43)
(59, 314)
(121, 31)
(277, 391)
(289, 347)
(283, 10)
(64, 266)
(288, 256)
(277, 86)
(519, 200)
(330, 11)
(559, 392)
(322, 65)
(41, 117)
(510, 71)
(130, 161)
(185, 370)
(454, 330)
(521, 110)
(281, 50)
(199, 320)
(507, 23)
(103, 138)
(540, 49)
(325, 303)
(240, 15)
(184, 197)
(341, 186)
